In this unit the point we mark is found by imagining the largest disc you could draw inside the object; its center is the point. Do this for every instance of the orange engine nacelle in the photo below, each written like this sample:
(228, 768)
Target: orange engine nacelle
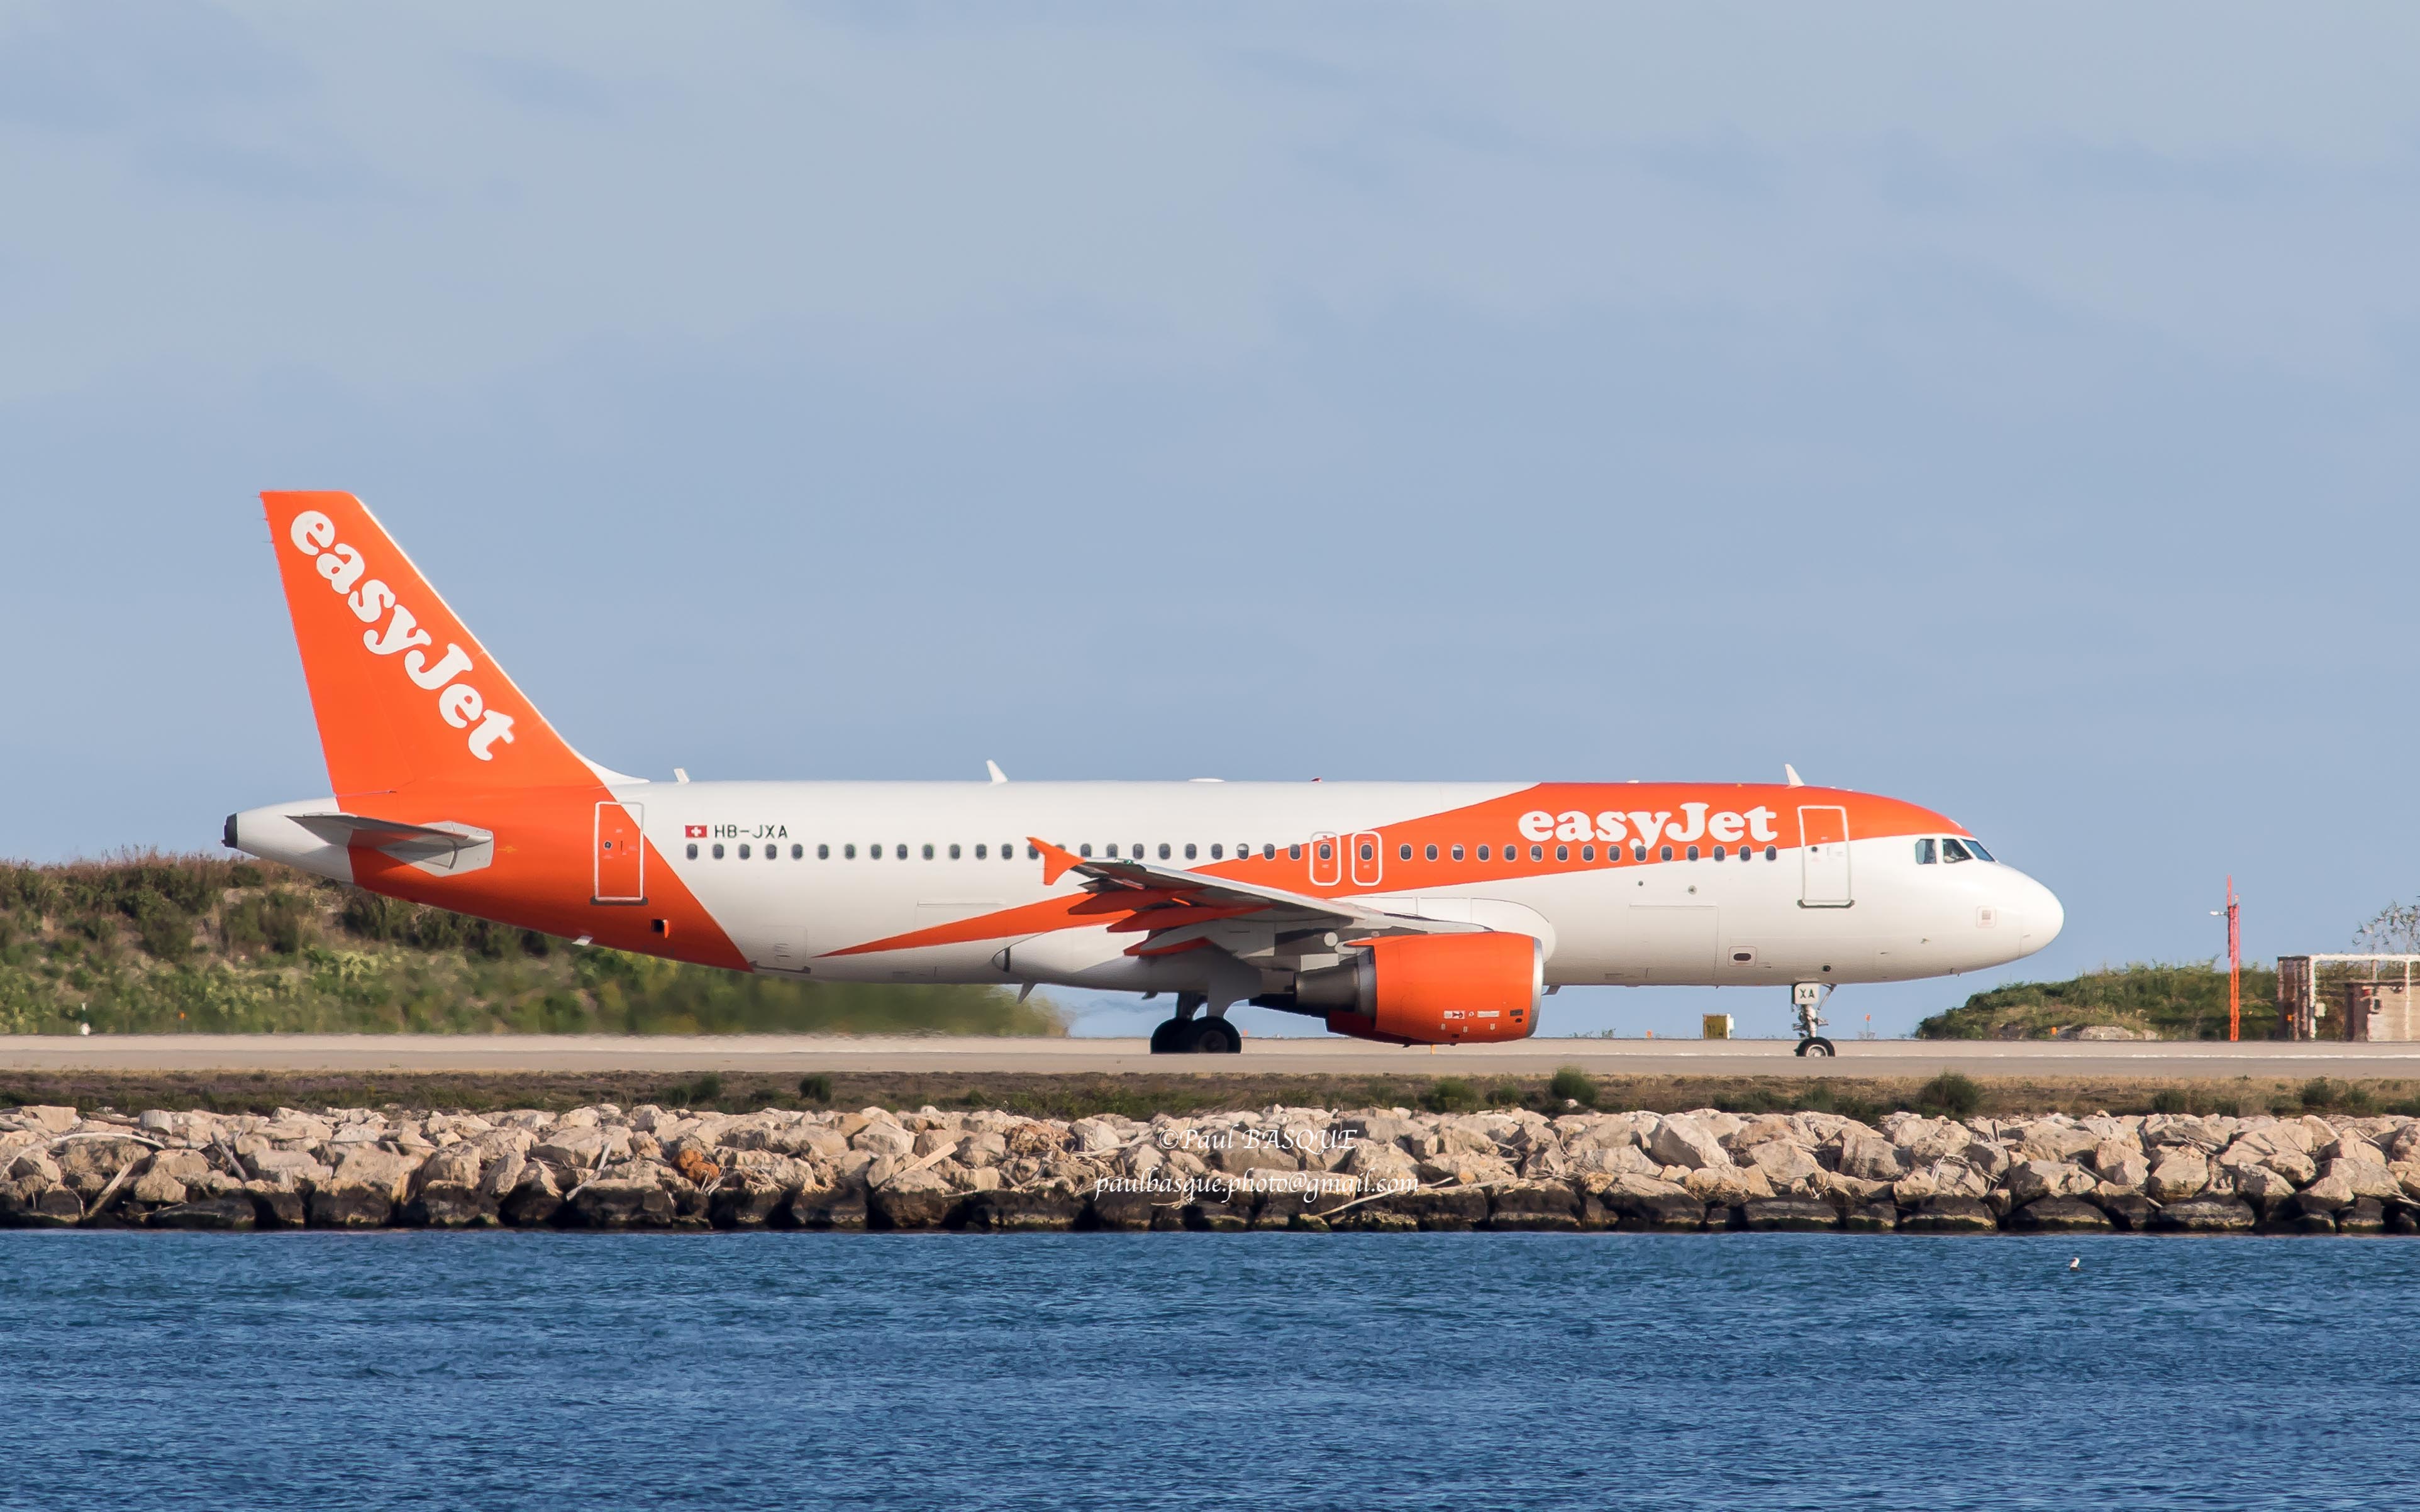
(1432, 989)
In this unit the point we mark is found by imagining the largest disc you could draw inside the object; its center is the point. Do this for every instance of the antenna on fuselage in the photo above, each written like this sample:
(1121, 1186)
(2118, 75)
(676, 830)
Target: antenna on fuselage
(1791, 774)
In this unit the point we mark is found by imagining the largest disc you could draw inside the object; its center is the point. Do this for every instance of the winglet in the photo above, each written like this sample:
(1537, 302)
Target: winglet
(1792, 773)
(1056, 863)
(998, 776)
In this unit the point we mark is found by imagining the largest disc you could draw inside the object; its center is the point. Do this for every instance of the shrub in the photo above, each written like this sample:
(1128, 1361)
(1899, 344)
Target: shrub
(2171, 1099)
(279, 920)
(1953, 1093)
(1450, 1094)
(817, 1087)
(166, 930)
(1573, 1085)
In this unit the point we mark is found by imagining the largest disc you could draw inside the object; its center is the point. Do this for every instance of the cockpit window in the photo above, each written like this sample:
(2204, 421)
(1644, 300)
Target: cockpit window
(1952, 851)
(1925, 853)
(1977, 847)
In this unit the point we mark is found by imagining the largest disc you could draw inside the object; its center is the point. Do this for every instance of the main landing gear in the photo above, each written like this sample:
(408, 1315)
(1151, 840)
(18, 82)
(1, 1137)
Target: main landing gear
(1187, 1035)
(1807, 998)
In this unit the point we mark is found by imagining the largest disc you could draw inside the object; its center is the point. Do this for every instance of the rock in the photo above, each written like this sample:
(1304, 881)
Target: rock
(1047, 1208)
(830, 1208)
(1534, 1205)
(367, 1169)
(2129, 1211)
(535, 1200)
(2121, 1163)
(1785, 1166)
(2326, 1195)
(57, 1121)
(289, 1168)
(1727, 1186)
(1126, 1211)
(1776, 1213)
(2368, 1215)
(2295, 1220)
(619, 1202)
(2203, 1216)
(156, 1189)
(1872, 1218)
(210, 1213)
(451, 1205)
(453, 1166)
(36, 1163)
(1869, 1157)
(2059, 1144)
(2182, 1171)
(358, 1207)
(1246, 1156)
(1451, 1209)
(2364, 1178)
(913, 1199)
(2036, 1179)
(2058, 1216)
(745, 1198)
(276, 1206)
(30, 1202)
(1680, 1139)
(1949, 1215)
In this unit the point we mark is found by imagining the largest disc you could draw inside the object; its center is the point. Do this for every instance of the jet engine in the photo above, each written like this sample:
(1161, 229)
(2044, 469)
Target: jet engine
(1431, 989)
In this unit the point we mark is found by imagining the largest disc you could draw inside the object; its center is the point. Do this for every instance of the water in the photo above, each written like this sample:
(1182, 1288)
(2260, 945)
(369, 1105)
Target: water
(1192, 1371)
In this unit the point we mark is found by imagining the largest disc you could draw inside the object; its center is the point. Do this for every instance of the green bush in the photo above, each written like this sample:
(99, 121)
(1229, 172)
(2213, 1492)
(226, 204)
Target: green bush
(1951, 1093)
(1450, 1094)
(817, 1088)
(1571, 1085)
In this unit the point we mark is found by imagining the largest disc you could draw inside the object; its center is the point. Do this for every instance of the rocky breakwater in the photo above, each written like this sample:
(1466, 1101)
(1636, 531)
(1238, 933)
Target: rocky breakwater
(665, 1168)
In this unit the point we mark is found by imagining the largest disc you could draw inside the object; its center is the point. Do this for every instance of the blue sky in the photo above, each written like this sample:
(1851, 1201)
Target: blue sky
(2009, 412)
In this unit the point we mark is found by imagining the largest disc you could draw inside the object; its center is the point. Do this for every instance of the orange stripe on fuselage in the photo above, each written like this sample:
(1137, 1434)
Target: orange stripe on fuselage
(1495, 823)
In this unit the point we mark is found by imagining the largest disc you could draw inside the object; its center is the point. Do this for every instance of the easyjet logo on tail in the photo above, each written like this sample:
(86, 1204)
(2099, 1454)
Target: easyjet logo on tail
(458, 703)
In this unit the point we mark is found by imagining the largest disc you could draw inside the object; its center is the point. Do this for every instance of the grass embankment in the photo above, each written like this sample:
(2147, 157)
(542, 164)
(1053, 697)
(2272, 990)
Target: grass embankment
(2182, 1002)
(198, 944)
(1140, 1096)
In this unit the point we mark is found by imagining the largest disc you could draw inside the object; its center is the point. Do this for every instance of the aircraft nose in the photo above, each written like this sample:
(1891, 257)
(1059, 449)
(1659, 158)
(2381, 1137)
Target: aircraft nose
(2038, 911)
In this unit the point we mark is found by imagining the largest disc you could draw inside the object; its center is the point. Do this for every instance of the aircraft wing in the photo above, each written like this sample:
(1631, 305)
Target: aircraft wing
(1194, 897)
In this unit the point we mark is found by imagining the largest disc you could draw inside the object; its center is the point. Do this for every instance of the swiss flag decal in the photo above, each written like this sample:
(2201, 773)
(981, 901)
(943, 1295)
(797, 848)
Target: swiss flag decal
(692, 832)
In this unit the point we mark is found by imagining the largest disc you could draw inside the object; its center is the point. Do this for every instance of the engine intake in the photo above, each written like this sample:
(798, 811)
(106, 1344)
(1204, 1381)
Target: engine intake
(1432, 989)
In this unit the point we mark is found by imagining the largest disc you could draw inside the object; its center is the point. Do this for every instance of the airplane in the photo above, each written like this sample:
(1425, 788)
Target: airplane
(1405, 913)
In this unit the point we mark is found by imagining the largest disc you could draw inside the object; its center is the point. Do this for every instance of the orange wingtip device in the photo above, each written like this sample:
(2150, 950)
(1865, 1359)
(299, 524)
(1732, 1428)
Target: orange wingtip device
(1056, 863)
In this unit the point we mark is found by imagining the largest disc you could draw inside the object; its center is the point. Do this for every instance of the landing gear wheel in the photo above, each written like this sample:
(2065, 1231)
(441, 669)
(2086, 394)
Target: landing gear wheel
(1216, 1037)
(1815, 1045)
(1169, 1038)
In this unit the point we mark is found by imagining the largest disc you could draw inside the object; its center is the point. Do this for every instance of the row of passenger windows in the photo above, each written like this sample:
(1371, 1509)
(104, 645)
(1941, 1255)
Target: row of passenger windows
(1326, 851)
(1949, 849)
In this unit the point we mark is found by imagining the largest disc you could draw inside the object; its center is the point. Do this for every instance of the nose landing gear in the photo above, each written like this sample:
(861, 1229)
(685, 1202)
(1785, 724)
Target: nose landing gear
(1807, 998)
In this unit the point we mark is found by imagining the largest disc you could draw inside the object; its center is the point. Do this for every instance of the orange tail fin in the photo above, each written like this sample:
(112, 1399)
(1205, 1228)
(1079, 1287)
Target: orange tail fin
(404, 693)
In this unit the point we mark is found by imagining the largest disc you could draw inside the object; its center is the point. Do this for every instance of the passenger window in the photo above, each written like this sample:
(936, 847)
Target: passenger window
(1668, 853)
(953, 853)
(1217, 851)
(982, 852)
(1457, 853)
(1693, 853)
(848, 853)
(1429, 853)
(1268, 851)
(1537, 853)
(1952, 851)
(772, 853)
(1719, 855)
(1032, 853)
(1771, 854)
(1293, 853)
(823, 853)
(1327, 851)
(1085, 850)
(743, 853)
(1163, 850)
(1189, 851)
(1562, 853)
(718, 850)
(1587, 853)
(693, 850)
(1482, 853)
(1925, 854)
(1368, 850)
